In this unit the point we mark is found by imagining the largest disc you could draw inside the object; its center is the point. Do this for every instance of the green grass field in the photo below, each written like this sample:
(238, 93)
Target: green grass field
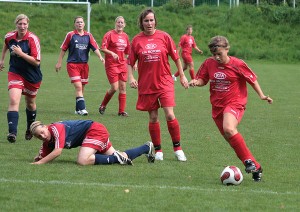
(271, 132)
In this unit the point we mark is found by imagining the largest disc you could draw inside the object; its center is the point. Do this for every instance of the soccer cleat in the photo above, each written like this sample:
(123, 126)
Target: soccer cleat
(257, 175)
(28, 135)
(179, 154)
(159, 156)
(11, 137)
(250, 166)
(122, 160)
(102, 109)
(124, 114)
(151, 154)
(174, 78)
(82, 112)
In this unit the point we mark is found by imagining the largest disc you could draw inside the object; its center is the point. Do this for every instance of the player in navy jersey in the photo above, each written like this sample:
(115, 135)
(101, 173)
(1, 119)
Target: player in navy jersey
(79, 43)
(93, 139)
(24, 74)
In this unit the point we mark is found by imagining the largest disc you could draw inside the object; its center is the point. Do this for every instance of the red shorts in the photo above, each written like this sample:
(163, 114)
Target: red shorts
(97, 138)
(17, 81)
(218, 115)
(187, 58)
(149, 102)
(78, 72)
(117, 73)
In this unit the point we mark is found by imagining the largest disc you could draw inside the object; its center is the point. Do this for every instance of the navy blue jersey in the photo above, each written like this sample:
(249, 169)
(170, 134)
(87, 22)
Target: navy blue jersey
(30, 45)
(69, 134)
(79, 46)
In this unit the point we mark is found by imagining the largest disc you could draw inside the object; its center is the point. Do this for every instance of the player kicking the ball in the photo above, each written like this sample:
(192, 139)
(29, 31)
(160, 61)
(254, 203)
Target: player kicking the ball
(93, 139)
(228, 77)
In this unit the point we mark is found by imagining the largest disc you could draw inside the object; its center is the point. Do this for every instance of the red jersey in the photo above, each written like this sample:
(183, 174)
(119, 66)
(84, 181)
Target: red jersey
(187, 43)
(117, 43)
(227, 81)
(152, 51)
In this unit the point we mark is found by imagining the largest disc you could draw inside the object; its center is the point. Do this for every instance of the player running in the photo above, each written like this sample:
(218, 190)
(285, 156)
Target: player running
(93, 139)
(78, 42)
(151, 48)
(24, 75)
(185, 48)
(228, 77)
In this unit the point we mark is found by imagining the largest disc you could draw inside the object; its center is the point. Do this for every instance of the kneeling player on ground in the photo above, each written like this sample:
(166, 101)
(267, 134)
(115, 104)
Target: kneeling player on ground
(93, 139)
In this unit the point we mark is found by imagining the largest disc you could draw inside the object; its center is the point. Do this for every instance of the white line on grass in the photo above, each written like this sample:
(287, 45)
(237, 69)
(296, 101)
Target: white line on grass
(194, 188)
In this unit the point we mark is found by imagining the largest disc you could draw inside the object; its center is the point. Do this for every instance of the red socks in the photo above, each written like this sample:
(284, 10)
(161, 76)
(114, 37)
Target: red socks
(238, 143)
(154, 130)
(106, 99)
(174, 130)
(122, 102)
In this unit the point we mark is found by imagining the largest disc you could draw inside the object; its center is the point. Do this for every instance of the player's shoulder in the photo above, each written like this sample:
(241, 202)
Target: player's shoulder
(33, 36)
(138, 36)
(236, 61)
(10, 34)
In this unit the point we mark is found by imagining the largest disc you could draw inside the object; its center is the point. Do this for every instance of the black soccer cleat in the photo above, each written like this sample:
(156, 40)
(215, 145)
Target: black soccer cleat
(28, 135)
(250, 166)
(124, 114)
(102, 110)
(11, 137)
(257, 175)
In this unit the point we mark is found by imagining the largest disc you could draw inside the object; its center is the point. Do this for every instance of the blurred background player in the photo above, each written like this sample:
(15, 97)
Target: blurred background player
(151, 48)
(93, 139)
(24, 75)
(228, 77)
(185, 48)
(116, 45)
(78, 42)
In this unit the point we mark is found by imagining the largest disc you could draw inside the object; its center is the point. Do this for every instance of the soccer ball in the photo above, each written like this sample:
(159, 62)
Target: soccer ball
(231, 175)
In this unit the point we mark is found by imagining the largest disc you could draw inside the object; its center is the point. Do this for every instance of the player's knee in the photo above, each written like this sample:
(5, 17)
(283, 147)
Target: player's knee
(82, 162)
(229, 131)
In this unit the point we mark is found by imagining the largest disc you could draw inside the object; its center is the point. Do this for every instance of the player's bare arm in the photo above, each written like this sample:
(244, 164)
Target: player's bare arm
(114, 55)
(183, 80)
(54, 154)
(18, 51)
(59, 61)
(97, 52)
(199, 50)
(132, 82)
(196, 82)
(4, 50)
(260, 93)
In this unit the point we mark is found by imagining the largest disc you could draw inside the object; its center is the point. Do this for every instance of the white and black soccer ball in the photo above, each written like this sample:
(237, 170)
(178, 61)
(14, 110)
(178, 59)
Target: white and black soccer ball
(231, 175)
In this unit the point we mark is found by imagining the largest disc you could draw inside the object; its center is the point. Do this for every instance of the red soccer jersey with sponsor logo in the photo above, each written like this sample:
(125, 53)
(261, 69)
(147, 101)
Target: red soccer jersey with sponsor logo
(187, 43)
(227, 81)
(152, 53)
(117, 43)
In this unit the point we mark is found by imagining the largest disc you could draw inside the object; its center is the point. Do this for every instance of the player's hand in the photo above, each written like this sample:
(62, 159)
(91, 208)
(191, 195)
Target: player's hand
(133, 83)
(269, 99)
(184, 82)
(17, 50)
(2, 66)
(102, 60)
(57, 67)
(193, 83)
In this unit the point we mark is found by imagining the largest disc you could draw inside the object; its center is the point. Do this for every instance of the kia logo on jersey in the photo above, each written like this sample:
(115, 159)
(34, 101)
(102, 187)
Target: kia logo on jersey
(151, 46)
(220, 75)
(121, 40)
